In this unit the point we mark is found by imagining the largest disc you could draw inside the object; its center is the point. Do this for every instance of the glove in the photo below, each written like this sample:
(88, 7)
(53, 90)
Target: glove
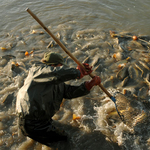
(82, 71)
(95, 81)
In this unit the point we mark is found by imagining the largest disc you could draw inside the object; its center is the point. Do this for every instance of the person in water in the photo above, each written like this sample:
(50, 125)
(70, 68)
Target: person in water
(42, 93)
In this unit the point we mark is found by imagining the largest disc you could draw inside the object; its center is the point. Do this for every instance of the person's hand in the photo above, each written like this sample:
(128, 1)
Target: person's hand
(95, 81)
(86, 71)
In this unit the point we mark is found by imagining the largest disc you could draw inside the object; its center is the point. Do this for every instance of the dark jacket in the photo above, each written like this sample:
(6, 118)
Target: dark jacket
(44, 89)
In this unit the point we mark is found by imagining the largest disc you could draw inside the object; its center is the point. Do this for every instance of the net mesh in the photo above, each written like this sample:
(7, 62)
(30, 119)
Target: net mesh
(130, 109)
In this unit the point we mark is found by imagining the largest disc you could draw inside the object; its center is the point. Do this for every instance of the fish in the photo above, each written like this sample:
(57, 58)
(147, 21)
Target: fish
(144, 65)
(122, 73)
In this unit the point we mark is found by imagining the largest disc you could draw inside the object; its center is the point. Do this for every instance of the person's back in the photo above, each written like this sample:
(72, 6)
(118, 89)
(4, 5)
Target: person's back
(43, 91)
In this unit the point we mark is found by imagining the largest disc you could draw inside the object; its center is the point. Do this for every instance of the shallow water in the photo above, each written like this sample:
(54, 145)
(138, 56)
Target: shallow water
(83, 27)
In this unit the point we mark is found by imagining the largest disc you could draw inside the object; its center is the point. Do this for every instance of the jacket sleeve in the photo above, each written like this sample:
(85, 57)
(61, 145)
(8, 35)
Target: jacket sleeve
(55, 76)
(75, 91)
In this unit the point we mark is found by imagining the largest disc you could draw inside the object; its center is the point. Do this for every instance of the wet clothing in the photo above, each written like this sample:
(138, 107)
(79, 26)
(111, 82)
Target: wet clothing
(40, 97)
(41, 131)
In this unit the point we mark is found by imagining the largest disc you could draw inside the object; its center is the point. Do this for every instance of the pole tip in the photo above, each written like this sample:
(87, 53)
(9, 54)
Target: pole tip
(27, 9)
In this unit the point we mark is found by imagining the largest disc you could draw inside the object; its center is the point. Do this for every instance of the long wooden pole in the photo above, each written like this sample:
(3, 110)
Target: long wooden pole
(74, 58)
(65, 49)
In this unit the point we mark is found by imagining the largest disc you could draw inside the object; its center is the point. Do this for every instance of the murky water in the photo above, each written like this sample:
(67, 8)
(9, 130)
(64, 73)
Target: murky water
(83, 27)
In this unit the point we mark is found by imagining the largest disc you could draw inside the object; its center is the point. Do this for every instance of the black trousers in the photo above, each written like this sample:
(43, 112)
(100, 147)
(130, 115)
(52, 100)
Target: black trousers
(41, 131)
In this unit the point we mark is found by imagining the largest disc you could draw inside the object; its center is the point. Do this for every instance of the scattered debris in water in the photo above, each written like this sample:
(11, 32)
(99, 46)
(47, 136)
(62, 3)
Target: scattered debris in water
(122, 60)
